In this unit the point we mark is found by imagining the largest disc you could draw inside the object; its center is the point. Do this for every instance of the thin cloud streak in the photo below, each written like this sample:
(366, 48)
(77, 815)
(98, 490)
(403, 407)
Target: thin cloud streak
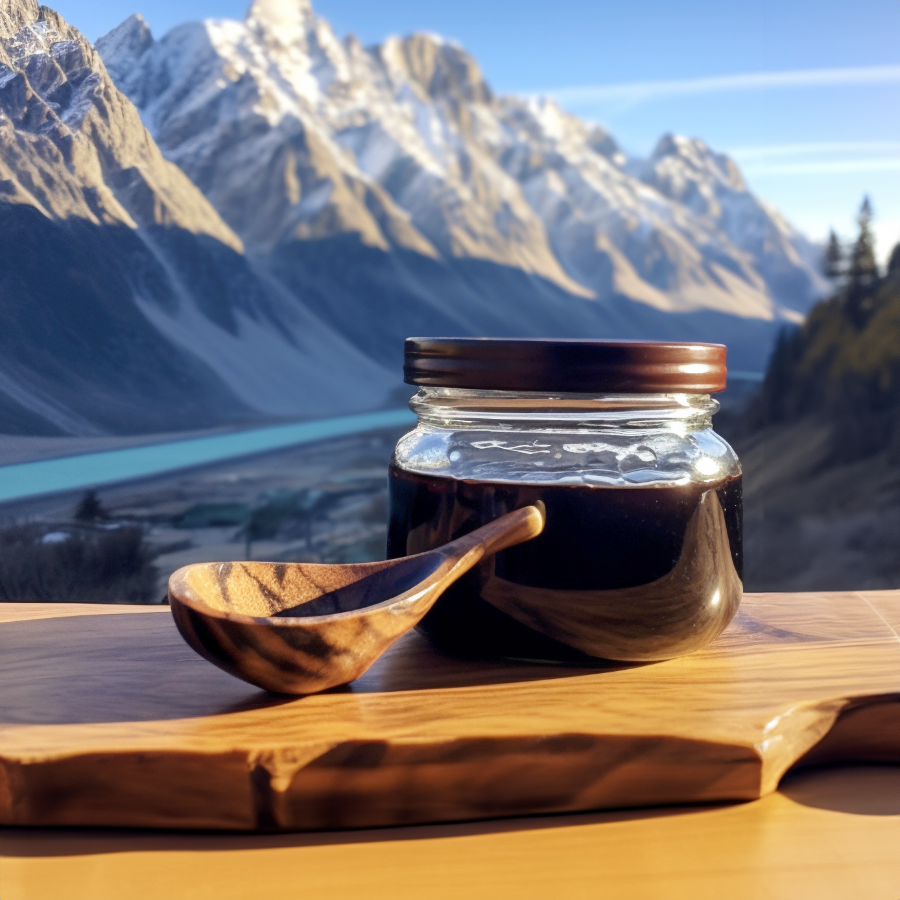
(830, 167)
(642, 91)
(766, 151)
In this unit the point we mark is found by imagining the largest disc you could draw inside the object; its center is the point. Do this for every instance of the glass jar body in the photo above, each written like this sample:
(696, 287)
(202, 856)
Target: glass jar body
(641, 554)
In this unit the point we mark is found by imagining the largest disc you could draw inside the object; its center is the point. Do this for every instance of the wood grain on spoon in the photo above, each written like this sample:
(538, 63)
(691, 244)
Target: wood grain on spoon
(299, 628)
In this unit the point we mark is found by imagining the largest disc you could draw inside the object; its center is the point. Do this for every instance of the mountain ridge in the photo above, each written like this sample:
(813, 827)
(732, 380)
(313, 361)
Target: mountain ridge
(514, 180)
(269, 210)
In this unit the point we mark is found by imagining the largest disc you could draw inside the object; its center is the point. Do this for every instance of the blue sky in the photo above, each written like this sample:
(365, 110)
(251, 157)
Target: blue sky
(805, 95)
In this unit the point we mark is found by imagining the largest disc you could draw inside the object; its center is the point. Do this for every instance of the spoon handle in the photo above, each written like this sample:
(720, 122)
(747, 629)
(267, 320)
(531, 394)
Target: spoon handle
(510, 529)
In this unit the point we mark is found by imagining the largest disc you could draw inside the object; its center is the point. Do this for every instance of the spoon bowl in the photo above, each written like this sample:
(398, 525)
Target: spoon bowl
(298, 628)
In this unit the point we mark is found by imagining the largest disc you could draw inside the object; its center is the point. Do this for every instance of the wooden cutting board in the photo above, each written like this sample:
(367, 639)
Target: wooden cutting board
(107, 718)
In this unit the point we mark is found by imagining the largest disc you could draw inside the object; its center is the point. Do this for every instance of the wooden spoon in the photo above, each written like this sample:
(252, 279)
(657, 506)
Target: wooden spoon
(297, 628)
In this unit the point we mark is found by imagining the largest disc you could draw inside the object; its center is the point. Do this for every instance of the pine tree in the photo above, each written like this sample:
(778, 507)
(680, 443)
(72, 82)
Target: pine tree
(89, 508)
(833, 264)
(863, 270)
(862, 273)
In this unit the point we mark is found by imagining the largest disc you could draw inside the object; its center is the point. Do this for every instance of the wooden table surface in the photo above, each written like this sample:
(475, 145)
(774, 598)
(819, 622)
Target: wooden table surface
(825, 835)
(109, 719)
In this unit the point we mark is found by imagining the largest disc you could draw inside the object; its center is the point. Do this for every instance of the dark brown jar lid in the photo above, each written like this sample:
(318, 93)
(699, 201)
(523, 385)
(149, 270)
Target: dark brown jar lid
(565, 365)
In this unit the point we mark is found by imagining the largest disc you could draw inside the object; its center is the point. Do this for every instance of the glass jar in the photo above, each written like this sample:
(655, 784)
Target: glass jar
(641, 555)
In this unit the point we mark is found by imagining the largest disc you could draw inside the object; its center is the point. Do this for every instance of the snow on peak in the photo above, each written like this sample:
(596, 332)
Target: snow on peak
(695, 156)
(133, 29)
(57, 65)
(282, 20)
(124, 45)
(17, 14)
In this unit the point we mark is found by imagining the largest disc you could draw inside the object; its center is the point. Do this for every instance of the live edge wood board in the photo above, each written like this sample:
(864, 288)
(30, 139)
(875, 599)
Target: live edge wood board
(108, 718)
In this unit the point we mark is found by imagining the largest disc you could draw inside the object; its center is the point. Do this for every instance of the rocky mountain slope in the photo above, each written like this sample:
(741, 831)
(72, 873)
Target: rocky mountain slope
(246, 218)
(127, 302)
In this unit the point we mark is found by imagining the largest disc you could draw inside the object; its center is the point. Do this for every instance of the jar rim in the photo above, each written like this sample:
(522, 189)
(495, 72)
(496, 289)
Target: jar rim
(566, 365)
(466, 408)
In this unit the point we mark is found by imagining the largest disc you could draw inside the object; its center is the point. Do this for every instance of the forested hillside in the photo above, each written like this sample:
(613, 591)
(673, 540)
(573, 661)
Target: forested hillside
(821, 442)
(843, 365)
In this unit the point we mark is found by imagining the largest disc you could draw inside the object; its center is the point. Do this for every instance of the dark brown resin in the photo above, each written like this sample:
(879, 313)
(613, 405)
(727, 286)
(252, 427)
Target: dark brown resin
(623, 573)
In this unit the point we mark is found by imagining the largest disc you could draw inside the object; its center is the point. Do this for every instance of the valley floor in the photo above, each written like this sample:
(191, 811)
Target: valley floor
(323, 502)
(807, 527)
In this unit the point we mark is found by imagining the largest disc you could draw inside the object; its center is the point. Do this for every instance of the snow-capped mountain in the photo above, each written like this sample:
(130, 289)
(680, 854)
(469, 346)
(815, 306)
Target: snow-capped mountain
(293, 133)
(245, 219)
